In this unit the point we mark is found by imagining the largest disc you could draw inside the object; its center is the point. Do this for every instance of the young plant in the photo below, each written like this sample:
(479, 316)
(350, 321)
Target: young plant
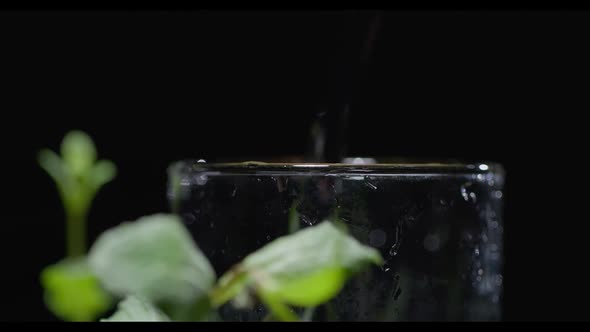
(158, 273)
(154, 264)
(71, 291)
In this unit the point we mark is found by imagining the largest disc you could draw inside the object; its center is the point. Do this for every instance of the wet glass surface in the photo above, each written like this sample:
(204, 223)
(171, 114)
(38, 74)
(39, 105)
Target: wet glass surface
(438, 226)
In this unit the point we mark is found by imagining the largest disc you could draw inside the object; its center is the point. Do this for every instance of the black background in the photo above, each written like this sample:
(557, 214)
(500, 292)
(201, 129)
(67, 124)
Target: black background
(154, 87)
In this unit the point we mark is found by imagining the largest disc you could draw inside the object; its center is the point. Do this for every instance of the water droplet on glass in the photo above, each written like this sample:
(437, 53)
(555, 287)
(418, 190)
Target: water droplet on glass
(467, 193)
(443, 202)
(478, 278)
(259, 179)
(498, 194)
(476, 251)
(306, 219)
(498, 279)
(377, 238)
(395, 248)
(397, 293)
(369, 184)
(480, 272)
(188, 218)
(201, 179)
(268, 237)
(234, 192)
(432, 242)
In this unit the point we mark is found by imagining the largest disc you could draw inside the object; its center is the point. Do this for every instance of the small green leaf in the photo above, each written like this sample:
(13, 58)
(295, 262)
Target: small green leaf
(312, 290)
(78, 152)
(134, 309)
(54, 166)
(310, 250)
(72, 293)
(306, 269)
(101, 173)
(153, 257)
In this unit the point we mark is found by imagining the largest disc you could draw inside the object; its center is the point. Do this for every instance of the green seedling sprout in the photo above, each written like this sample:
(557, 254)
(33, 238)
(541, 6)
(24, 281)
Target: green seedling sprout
(78, 177)
(158, 273)
(71, 291)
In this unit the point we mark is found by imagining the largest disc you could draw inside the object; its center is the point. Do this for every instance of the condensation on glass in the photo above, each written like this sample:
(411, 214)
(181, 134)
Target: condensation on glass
(439, 227)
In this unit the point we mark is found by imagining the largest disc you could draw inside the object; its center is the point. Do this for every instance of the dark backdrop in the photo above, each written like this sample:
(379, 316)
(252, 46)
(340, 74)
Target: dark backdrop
(154, 87)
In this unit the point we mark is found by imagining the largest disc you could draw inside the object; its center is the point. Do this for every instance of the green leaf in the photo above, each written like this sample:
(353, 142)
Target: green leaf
(311, 250)
(306, 269)
(314, 289)
(78, 152)
(153, 257)
(54, 166)
(134, 309)
(72, 293)
(102, 172)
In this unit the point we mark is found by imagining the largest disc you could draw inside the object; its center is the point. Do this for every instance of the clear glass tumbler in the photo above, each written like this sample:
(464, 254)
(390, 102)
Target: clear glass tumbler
(438, 225)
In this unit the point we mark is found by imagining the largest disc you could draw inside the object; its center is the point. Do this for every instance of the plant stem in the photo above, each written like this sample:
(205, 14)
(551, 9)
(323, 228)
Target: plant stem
(75, 234)
(277, 308)
(308, 314)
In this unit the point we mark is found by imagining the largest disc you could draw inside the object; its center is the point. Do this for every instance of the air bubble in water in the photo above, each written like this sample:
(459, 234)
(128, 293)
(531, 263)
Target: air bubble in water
(201, 161)
(468, 195)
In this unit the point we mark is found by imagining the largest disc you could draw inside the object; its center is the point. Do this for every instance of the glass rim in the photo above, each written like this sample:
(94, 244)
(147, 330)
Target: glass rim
(400, 167)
